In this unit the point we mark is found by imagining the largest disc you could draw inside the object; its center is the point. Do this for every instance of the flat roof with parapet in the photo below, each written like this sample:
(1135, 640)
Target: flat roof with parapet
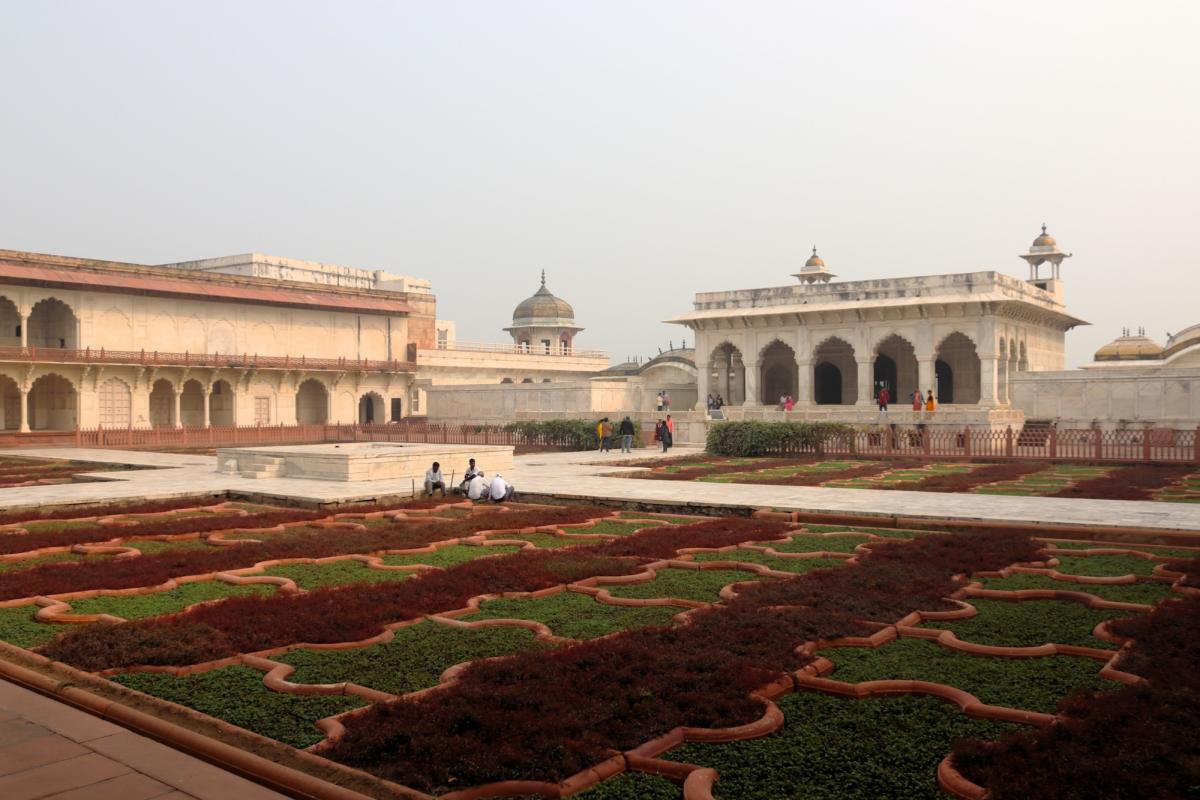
(923, 290)
(83, 274)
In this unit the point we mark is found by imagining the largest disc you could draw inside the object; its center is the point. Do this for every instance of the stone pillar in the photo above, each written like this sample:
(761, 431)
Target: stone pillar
(804, 383)
(24, 427)
(753, 394)
(24, 330)
(866, 382)
(207, 400)
(926, 375)
(702, 387)
(987, 381)
(178, 407)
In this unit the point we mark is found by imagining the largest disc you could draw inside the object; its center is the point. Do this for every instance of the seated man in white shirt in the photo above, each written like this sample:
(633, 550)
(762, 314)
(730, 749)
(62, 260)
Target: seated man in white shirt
(500, 490)
(471, 472)
(477, 488)
(434, 480)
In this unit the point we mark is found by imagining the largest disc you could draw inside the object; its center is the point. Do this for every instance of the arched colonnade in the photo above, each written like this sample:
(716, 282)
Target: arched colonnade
(834, 373)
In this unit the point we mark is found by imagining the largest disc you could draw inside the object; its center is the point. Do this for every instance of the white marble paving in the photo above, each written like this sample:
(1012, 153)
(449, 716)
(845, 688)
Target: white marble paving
(583, 475)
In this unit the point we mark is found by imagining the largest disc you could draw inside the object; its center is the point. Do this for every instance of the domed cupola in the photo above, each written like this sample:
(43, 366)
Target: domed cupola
(814, 270)
(1130, 346)
(1044, 250)
(544, 323)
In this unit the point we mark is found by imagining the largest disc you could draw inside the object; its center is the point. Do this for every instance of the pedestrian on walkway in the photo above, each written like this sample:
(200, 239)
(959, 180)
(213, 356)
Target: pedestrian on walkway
(626, 435)
(884, 397)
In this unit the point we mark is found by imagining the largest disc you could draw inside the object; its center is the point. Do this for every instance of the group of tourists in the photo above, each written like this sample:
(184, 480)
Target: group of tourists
(715, 401)
(474, 484)
(918, 402)
(604, 434)
(662, 402)
(786, 402)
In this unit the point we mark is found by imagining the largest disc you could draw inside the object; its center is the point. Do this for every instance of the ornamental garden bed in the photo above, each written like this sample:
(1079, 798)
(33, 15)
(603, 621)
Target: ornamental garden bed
(545, 650)
(15, 472)
(1163, 482)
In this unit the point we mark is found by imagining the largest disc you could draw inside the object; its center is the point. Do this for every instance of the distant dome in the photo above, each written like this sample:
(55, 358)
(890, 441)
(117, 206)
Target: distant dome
(1130, 347)
(1045, 240)
(814, 261)
(543, 305)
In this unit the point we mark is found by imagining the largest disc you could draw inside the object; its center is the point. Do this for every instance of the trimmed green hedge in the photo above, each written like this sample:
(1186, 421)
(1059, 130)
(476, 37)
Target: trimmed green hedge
(579, 434)
(774, 438)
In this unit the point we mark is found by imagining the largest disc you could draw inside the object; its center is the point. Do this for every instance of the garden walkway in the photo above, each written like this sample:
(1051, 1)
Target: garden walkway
(51, 751)
(588, 475)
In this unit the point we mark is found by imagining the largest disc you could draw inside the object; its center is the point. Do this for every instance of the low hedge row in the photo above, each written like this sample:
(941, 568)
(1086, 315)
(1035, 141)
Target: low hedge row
(775, 438)
(579, 434)
(618, 692)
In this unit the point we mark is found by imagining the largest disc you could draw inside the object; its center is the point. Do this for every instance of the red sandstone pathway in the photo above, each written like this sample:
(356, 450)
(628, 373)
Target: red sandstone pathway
(51, 751)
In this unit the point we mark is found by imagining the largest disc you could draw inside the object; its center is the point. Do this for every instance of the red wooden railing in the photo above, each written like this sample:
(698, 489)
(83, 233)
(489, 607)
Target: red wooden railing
(60, 355)
(1079, 444)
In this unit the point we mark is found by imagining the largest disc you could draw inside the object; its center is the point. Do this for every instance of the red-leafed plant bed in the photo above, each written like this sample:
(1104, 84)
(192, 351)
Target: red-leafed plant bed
(1138, 482)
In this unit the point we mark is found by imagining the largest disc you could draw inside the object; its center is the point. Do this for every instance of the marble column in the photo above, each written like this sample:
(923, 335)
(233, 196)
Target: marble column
(24, 426)
(702, 387)
(926, 375)
(804, 381)
(24, 330)
(753, 393)
(178, 408)
(987, 381)
(207, 403)
(866, 382)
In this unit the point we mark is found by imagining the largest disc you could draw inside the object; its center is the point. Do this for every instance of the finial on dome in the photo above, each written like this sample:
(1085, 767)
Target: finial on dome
(544, 277)
(814, 249)
(1043, 227)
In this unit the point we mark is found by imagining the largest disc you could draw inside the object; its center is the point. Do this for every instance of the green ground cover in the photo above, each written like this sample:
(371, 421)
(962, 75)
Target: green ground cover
(667, 519)
(450, 555)
(149, 547)
(1157, 550)
(1030, 623)
(335, 573)
(1043, 482)
(797, 565)
(1148, 592)
(1034, 684)
(138, 606)
(1105, 565)
(544, 540)
(775, 473)
(808, 544)
(575, 615)
(633, 786)
(686, 584)
(237, 695)
(415, 659)
(611, 528)
(876, 748)
(17, 626)
(37, 561)
(890, 533)
(50, 525)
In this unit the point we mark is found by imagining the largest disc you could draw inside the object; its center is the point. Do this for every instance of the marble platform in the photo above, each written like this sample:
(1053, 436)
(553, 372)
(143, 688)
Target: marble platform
(360, 461)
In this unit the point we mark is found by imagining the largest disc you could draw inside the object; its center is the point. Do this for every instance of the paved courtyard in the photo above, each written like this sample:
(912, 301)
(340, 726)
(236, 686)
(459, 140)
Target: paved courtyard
(588, 474)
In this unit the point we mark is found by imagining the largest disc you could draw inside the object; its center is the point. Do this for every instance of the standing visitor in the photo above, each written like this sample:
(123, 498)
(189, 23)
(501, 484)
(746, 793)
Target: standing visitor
(658, 402)
(606, 430)
(782, 402)
(666, 400)
(600, 435)
(711, 402)
(669, 427)
(626, 435)
(930, 403)
(884, 397)
(789, 403)
(916, 400)
(720, 401)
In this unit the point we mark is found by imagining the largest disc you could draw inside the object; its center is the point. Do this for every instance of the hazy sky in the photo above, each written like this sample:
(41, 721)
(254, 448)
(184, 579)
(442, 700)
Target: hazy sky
(637, 151)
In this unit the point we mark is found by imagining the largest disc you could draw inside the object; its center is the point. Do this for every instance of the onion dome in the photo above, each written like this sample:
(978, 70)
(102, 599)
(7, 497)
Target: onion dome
(543, 305)
(814, 270)
(1045, 240)
(814, 261)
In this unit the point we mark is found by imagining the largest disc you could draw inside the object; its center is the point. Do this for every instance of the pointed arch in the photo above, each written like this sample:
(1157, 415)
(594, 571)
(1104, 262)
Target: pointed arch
(779, 372)
(958, 370)
(53, 404)
(835, 373)
(728, 378)
(52, 323)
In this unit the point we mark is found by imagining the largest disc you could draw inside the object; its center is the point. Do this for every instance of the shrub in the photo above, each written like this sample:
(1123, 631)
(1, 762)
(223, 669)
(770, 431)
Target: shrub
(578, 434)
(775, 438)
